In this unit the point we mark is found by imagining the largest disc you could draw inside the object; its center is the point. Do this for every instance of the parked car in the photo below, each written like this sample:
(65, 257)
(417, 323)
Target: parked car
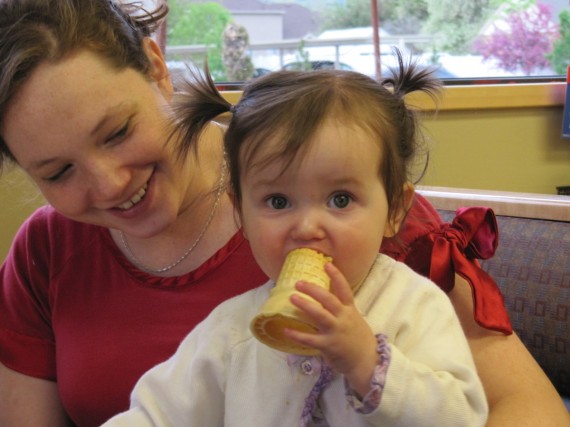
(258, 72)
(317, 65)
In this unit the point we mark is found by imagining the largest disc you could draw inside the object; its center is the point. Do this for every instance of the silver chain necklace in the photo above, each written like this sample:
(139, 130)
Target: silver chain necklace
(140, 265)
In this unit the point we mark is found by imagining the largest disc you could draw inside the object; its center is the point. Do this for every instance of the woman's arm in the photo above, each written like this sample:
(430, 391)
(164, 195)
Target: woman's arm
(29, 402)
(519, 392)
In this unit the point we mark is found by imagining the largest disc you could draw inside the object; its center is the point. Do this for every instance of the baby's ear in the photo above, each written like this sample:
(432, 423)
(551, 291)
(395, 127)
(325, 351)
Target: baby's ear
(394, 223)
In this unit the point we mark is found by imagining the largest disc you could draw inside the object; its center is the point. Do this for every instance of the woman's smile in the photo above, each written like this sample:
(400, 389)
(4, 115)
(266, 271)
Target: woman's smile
(139, 195)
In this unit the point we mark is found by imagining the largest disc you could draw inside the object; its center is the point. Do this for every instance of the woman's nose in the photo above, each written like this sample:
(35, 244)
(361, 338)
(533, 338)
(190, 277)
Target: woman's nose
(107, 180)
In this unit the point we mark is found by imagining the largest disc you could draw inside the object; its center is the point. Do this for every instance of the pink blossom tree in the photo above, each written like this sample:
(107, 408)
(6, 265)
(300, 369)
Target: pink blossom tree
(521, 41)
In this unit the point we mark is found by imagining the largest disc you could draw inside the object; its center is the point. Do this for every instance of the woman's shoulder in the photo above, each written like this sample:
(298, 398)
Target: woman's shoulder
(46, 219)
(46, 233)
(421, 219)
(47, 226)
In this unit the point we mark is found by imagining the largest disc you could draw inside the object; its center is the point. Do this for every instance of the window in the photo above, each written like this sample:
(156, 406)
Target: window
(481, 41)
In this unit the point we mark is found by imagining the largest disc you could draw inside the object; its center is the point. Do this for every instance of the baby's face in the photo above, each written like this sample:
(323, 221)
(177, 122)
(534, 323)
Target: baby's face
(331, 198)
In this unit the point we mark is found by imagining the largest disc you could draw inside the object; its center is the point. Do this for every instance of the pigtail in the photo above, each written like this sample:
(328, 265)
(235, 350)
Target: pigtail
(411, 77)
(408, 78)
(408, 141)
(196, 104)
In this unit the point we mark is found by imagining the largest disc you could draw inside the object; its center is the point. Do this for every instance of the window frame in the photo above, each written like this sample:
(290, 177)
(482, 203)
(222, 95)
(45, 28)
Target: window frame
(471, 97)
(461, 94)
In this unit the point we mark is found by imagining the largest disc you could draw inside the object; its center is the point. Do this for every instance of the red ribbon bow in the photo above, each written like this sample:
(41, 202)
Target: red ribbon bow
(472, 235)
(438, 251)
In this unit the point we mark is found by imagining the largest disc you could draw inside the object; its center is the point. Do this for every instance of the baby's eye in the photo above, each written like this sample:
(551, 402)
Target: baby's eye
(340, 200)
(278, 202)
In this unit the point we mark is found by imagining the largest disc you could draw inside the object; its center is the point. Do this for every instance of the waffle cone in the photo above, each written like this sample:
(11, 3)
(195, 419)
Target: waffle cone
(277, 313)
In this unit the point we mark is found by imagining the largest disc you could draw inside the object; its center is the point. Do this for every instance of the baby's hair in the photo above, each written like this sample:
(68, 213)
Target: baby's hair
(292, 105)
(36, 31)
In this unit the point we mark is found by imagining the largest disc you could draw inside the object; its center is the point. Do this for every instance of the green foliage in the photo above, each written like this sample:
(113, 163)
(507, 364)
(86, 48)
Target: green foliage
(403, 16)
(199, 23)
(356, 13)
(456, 23)
(302, 57)
(509, 6)
(175, 11)
(560, 56)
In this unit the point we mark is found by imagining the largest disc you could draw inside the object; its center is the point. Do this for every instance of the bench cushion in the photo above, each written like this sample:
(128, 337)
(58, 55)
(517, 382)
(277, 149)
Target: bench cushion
(532, 268)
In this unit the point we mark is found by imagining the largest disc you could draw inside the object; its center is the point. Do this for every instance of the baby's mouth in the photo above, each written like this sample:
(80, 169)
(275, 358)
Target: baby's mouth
(134, 200)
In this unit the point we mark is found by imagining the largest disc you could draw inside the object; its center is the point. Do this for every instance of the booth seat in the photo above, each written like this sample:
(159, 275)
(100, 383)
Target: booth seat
(531, 267)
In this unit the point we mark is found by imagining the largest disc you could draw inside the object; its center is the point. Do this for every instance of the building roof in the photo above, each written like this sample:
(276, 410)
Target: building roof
(298, 21)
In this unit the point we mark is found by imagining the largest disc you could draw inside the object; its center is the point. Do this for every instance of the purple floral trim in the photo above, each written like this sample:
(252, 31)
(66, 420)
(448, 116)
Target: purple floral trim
(311, 414)
(372, 399)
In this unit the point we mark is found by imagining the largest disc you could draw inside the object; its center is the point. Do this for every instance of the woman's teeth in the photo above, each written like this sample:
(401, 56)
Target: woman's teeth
(135, 199)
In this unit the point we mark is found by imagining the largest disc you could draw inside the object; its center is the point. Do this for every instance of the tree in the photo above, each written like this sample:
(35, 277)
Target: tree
(508, 6)
(397, 16)
(236, 61)
(403, 16)
(560, 56)
(456, 23)
(199, 23)
(523, 43)
(354, 13)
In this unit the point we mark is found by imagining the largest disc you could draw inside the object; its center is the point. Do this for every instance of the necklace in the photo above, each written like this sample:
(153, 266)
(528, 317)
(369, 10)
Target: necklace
(140, 265)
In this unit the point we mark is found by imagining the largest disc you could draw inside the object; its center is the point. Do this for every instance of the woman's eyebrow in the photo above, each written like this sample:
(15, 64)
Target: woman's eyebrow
(111, 113)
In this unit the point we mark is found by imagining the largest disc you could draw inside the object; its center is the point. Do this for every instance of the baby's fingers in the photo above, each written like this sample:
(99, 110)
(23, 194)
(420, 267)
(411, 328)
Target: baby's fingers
(328, 300)
(314, 308)
(305, 338)
(339, 285)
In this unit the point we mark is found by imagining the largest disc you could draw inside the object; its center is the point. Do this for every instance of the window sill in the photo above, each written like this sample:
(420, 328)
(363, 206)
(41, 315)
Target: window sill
(481, 97)
(484, 97)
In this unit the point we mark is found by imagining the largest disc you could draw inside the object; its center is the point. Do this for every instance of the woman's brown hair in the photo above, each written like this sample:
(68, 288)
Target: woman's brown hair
(36, 31)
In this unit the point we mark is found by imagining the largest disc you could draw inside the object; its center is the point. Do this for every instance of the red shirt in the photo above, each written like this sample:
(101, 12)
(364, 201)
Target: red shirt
(74, 310)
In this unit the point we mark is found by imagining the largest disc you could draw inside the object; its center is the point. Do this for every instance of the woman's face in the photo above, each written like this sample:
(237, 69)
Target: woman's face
(93, 139)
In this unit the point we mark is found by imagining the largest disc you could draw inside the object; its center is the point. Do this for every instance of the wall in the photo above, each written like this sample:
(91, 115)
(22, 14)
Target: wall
(18, 199)
(490, 138)
(261, 26)
(511, 150)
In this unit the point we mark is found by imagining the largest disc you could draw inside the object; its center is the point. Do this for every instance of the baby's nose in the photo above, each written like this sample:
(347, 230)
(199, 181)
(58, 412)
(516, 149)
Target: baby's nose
(308, 226)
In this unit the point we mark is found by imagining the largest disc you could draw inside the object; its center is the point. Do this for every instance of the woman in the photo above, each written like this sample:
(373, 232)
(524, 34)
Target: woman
(138, 243)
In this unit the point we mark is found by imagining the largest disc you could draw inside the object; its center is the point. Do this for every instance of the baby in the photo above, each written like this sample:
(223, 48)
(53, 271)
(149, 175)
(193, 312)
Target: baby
(320, 160)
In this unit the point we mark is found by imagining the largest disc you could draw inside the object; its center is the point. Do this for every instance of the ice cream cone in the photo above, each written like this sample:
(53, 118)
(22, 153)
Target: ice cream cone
(277, 313)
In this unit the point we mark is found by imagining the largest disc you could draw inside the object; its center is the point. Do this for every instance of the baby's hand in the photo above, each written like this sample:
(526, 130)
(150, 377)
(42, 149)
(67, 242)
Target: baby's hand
(345, 340)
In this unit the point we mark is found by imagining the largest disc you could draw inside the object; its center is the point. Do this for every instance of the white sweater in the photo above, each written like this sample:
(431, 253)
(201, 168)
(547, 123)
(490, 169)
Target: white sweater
(222, 376)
